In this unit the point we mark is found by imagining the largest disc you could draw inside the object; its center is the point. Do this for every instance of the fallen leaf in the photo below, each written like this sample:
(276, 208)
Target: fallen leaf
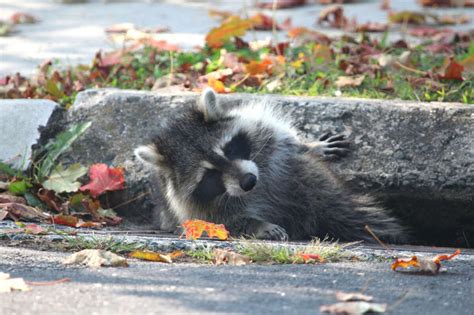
(446, 3)
(18, 211)
(353, 296)
(4, 198)
(258, 67)
(423, 264)
(96, 258)
(280, 4)
(359, 307)
(34, 229)
(227, 257)
(154, 256)
(50, 199)
(65, 180)
(219, 14)
(194, 229)
(232, 27)
(8, 284)
(333, 16)
(468, 64)
(22, 18)
(104, 178)
(452, 19)
(453, 71)
(407, 17)
(427, 31)
(218, 86)
(372, 27)
(310, 257)
(304, 34)
(344, 81)
(67, 220)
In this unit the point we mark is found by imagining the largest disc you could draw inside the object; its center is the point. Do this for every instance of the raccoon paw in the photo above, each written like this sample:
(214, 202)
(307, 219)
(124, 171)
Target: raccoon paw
(269, 231)
(329, 145)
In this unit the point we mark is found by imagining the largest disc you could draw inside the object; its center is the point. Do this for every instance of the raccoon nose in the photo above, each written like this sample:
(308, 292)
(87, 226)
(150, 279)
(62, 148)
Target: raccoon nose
(248, 181)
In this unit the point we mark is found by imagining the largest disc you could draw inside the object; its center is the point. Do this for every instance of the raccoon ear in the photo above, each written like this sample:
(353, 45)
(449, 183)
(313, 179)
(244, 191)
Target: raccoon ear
(149, 154)
(209, 105)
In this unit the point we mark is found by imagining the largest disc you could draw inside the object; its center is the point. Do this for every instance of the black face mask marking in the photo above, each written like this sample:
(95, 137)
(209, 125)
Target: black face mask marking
(210, 186)
(238, 148)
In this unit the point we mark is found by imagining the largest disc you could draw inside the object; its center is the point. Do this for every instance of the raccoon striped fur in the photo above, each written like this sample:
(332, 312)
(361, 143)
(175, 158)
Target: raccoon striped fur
(245, 167)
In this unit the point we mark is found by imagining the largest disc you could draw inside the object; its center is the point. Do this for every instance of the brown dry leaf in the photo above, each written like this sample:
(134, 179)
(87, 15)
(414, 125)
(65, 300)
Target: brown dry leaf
(359, 307)
(334, 16)
(49, 198)
(446, 3)
(353, 296)
(7, 197)
(304, 34)
(453, 19)
(280, 4)
(223, 257)
(344, 81)
(372, 27)
(19, 211)
(8, 284)
(96, 258)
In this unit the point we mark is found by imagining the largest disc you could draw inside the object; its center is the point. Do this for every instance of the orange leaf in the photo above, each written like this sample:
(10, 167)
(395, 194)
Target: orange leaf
(194, 229)
(440, 258)
(218, 85)
(310, 257)
(424, 264)
(233, 26)
(453, 71)
(405, 263)
(258, 67)
(104, 178)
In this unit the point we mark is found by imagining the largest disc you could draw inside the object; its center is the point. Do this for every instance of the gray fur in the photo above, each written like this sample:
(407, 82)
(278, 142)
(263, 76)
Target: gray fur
(295, 197)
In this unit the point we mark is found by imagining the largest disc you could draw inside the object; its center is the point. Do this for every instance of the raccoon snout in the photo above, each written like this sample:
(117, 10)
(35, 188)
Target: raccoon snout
(248, 181)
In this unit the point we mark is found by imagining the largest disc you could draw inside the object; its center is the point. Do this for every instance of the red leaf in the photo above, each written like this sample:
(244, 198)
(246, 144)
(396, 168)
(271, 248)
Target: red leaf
(104, 178)
(68, 220)
(453, 71)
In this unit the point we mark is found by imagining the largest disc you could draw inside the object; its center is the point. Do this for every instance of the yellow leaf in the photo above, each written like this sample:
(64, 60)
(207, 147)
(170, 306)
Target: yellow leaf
(151, 256)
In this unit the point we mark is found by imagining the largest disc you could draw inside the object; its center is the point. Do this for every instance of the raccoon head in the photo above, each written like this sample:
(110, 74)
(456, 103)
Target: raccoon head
(203, 153)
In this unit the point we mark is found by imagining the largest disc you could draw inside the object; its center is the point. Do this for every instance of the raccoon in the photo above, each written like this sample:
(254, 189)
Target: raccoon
(245, 167)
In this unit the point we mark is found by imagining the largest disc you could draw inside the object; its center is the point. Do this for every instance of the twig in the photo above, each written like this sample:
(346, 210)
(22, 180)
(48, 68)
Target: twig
(400, 300)
(131, 200)
(398, 64)
(46, 283)
(376, 238)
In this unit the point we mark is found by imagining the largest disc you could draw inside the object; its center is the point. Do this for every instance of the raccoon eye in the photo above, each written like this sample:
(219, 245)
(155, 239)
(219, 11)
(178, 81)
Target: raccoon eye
(210, 186)
(238, 147)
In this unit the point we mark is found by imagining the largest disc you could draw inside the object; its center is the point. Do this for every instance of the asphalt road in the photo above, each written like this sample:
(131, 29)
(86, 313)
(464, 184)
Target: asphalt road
(157, 288)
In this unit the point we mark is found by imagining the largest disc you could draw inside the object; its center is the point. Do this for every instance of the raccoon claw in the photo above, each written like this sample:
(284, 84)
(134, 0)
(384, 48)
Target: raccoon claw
(329, 145)
(269, 231)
